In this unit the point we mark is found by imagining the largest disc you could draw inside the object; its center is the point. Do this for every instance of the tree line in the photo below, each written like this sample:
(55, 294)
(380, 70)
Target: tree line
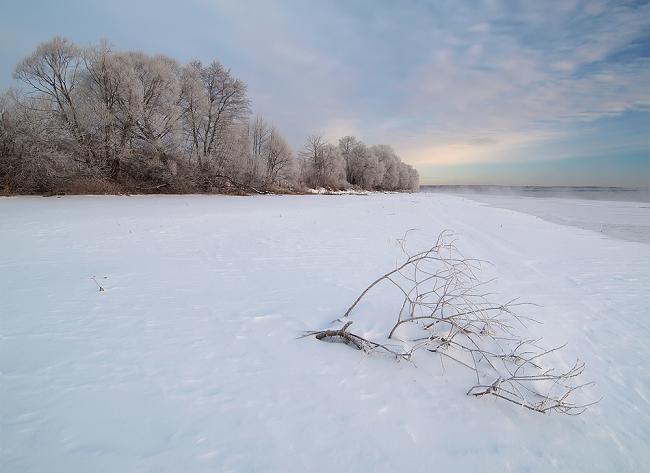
(96, 120)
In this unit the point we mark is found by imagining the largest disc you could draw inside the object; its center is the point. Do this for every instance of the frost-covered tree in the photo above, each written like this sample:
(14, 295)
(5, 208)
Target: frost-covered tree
(214, 103)
(280, 165)
(362, 166)
(109, 108)
(414, 179)
(52, 71)
(322, 164)
(260, 133)
(389, 164)
(95, 119)
(154, 85)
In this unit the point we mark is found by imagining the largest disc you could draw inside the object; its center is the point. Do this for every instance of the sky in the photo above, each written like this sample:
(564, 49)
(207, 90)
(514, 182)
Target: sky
(510, 92)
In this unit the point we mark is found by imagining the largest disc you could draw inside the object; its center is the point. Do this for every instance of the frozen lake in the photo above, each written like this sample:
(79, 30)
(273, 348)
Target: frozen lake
(619, 213)
(617, 219)
(189, 360)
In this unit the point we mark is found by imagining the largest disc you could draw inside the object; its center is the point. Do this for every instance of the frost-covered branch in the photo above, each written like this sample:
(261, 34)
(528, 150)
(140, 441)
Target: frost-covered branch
(446, 311)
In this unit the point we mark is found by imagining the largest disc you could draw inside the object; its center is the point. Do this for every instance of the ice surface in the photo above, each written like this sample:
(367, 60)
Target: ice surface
(189, 361)
(625, 220)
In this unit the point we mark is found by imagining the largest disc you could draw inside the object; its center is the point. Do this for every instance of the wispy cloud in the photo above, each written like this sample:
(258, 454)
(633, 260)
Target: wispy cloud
(431, 77)
(527, 70)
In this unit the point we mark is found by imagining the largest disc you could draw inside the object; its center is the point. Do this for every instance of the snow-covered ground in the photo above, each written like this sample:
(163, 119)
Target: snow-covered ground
(189, 360)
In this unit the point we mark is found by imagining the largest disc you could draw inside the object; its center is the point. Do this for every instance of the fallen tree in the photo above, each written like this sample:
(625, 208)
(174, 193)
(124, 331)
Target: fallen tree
(446, 311)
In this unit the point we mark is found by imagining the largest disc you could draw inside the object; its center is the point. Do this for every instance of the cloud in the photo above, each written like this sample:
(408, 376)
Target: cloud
(510, 82)
(458, 149)
(339, 128)
(441, 81)
(525, 71)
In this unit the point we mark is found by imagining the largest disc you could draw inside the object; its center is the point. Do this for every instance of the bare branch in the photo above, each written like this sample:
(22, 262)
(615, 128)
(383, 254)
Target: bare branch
(445, 300)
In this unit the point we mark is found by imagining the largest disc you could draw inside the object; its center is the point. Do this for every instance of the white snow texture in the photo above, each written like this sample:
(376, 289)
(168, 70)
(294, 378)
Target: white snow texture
(189, 360)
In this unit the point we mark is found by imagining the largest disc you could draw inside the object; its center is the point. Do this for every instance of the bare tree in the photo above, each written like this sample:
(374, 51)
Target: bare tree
(104, 76)
(362, 166)
(53, 71)
(348, 145)
(213, 101)
(34, 151)
(389, 164)
(92, 117)
(259, 133)
(279, 159)
(377, 167)
(322, 163)
(414, 179)
(155, 111)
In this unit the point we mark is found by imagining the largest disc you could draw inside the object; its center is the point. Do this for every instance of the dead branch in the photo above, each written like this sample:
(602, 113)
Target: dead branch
(242, 186)
(343, 336)
(101, 289)
(446, 311)
(152, 188)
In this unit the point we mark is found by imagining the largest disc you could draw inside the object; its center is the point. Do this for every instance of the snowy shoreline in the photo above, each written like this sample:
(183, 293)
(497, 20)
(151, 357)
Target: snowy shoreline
(189, 359)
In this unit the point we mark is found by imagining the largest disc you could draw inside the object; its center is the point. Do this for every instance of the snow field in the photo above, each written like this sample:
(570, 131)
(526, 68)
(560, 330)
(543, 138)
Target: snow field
(189, 360)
